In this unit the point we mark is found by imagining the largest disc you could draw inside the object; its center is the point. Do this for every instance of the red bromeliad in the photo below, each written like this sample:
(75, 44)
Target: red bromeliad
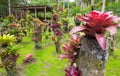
(96, 23)
(71, 53)
(36, 32)
(58, 32)
(73, 71)
(55, 25)
(55, 16)
(56, 28)
(71, 49)
(75, 40)
(35, 39)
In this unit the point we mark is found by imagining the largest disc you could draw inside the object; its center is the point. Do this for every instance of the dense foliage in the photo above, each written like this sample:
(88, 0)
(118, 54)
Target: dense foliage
(4, 5)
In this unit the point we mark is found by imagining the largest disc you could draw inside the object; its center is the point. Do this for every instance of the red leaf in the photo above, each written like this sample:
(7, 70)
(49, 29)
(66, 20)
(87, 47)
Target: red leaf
(63, 56)
(77, 29)
(82, 18)
(73, 71)
(95, 13)
(75, 39)
(112, 29)
(67, 47)
(101, 40)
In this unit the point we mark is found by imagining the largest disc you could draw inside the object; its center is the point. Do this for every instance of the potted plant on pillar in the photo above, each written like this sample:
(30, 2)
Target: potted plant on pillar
(57, 32)
(93, 52)
(8, 54)
(65, 24)
(38, 32)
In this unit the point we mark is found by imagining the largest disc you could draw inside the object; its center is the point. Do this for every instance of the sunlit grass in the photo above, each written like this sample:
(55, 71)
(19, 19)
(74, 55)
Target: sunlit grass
(46, 63)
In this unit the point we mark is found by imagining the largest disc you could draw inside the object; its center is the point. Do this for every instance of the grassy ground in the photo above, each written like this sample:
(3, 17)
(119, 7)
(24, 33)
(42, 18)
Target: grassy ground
(47, 63)
(113, 65)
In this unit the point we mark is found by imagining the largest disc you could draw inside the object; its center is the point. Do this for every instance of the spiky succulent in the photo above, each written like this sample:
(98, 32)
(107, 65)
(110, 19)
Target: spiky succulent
(7, 39)
(96, 24)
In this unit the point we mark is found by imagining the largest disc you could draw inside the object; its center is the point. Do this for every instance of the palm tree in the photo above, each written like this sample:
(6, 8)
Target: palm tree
(9, 6)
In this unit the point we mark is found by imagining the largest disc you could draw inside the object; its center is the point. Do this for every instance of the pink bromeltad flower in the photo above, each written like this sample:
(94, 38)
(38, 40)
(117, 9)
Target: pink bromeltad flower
(55, 25)
(35, 39)
(96, 23)
(54, 16)
(70, 52)
(28, 57)
(73, 71)
(67, 47)
(36, 32)
(58, 32)
(58, 25)
(75, 40)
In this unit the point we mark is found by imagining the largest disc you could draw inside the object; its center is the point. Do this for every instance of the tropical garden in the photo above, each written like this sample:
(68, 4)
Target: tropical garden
(59, 38)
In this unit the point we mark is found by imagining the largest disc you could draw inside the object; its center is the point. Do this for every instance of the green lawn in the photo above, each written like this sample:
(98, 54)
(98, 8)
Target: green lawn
(47, 63)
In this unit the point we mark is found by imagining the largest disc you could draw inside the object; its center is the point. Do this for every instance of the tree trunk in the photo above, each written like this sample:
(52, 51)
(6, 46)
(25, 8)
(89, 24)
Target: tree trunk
(92, 4)
(92, 58)
(103, 6)
(57, 46)
(76, 2)
(116, 0)
(65, 27)
(9, 6)
(11, 71)
(64, 2)
(68, 9)
(10, 65)
(82, 4)
(38, 44)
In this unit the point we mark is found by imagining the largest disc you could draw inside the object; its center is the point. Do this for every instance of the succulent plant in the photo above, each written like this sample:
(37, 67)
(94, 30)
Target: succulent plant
(7, 39)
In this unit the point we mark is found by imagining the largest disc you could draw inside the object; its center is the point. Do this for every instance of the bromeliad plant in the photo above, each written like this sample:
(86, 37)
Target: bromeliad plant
(57, 32)
(95, 25)
(28, 58)
(71, 53)
(15, 29)
(8, 53)
(38, 32)
(65, 24)
(5, 40)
